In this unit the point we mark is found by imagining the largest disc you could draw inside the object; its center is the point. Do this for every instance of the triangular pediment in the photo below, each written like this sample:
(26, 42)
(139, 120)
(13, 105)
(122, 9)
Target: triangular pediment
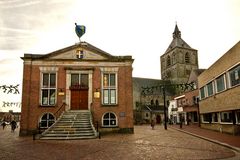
(83, 50)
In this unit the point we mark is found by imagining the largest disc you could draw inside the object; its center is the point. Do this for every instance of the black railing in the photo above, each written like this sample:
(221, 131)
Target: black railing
(98, 131)
(59, 109)
(39, 126)
(38, 132)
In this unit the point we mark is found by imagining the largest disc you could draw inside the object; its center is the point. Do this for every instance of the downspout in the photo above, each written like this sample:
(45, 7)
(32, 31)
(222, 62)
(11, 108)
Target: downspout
(30, 88)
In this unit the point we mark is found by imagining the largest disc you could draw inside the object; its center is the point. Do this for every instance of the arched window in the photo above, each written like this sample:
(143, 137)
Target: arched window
(152, 102)
(168, 60)
(47, 120)
(187, 58)
(109, 120)
(163, 63)
(173, 58)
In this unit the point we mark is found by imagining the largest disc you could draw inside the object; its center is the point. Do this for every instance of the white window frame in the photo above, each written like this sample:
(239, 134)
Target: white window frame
(48, 88)
(202, 117)
(110, 119)
(204, 91)
(48, 120)
(218, 120)
(79, 78)
(109, 88)
(213, 89)
(221, 118)
(229, 77)
(225, 86)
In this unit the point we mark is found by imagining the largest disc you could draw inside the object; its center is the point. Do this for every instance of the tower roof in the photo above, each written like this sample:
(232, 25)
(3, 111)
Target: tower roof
(177, 32)
(177, 41)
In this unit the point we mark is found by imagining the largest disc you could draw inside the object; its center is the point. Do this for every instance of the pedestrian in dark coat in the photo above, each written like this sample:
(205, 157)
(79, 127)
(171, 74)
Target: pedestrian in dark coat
(3, 124)
(152, 123)
(13, 125)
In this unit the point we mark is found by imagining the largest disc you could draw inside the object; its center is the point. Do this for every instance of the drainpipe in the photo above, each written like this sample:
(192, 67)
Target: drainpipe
(29, 91)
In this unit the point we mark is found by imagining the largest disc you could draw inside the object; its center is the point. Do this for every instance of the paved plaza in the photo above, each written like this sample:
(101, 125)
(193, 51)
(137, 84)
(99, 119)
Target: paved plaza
(144, 144)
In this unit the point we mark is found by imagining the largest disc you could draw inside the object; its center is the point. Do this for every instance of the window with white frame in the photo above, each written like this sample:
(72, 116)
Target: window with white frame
(226, 117)
(234, 76)
(202, 92)
(207, 117)
(109, 88)
(109, 120)
(210, 89)
(79, 79)
(48, 89)
(220, 83)
(47, 120)
(215, 117)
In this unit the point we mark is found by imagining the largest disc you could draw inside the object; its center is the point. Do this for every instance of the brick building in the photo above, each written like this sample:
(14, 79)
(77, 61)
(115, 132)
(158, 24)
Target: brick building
(220, 92)
(78, 77)
(188, 101)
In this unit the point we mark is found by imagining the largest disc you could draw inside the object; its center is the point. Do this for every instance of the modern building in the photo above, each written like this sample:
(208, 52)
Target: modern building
(78, 77)
(220, 92)
(172, 112)
(188, 101)
(178, 60)
(181, 113)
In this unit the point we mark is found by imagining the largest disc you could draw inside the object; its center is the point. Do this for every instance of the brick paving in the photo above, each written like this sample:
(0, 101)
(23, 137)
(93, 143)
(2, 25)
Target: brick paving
(144, 144)
(223, 138)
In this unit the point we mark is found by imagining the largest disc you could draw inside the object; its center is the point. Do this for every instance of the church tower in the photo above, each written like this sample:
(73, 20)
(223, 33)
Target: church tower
(178, 60)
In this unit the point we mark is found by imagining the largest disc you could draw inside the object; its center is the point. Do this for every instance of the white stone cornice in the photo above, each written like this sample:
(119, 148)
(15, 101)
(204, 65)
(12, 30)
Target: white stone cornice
(80, 63)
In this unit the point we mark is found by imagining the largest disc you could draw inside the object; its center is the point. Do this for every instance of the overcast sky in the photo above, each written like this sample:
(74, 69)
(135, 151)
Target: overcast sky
(141, 28)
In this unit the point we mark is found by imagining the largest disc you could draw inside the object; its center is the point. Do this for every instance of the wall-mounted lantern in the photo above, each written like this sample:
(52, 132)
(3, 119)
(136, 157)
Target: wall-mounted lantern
(97, 93)
(61, 92)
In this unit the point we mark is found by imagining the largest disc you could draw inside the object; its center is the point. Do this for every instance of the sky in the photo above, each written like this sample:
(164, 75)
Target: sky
(140, 28)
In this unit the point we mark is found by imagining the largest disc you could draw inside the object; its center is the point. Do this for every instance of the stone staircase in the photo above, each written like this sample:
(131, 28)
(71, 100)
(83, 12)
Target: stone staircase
(73, 124)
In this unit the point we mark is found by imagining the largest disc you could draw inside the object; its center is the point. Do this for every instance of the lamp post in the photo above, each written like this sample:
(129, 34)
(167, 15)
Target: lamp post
(164, 105)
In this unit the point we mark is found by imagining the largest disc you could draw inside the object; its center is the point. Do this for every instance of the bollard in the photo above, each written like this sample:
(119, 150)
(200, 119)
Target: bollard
(34, 136)
(99, 135)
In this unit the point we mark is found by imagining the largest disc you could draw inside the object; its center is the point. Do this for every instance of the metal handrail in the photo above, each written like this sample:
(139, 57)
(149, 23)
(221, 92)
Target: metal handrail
(63, 105)
(99, 133)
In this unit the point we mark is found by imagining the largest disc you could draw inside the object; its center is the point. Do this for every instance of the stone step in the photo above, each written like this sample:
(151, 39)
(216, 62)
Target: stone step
(72, 125)
(68, 135)
(67, 118)
(69, 138)
(70, 129)
(74, 120)
(70, 132)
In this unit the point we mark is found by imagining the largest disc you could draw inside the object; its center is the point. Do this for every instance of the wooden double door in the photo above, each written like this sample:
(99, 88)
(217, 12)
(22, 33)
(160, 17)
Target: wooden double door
(79, 99)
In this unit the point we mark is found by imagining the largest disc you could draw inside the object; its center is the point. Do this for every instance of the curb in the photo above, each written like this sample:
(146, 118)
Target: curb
(208, 139)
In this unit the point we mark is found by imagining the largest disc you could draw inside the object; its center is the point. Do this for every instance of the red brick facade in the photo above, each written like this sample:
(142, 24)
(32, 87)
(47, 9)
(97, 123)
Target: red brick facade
(64, 62)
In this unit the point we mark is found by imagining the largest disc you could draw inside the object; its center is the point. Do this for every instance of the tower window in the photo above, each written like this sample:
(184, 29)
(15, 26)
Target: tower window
(168, 61)
(187, 58)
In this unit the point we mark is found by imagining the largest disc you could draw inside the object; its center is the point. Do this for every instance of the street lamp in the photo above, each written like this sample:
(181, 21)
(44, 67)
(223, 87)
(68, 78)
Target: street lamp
(164, 105)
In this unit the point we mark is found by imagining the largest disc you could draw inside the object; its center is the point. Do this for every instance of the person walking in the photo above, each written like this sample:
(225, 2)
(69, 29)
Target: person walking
(13, 125)
(3, 124)
(153, 121)
(152, 124)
